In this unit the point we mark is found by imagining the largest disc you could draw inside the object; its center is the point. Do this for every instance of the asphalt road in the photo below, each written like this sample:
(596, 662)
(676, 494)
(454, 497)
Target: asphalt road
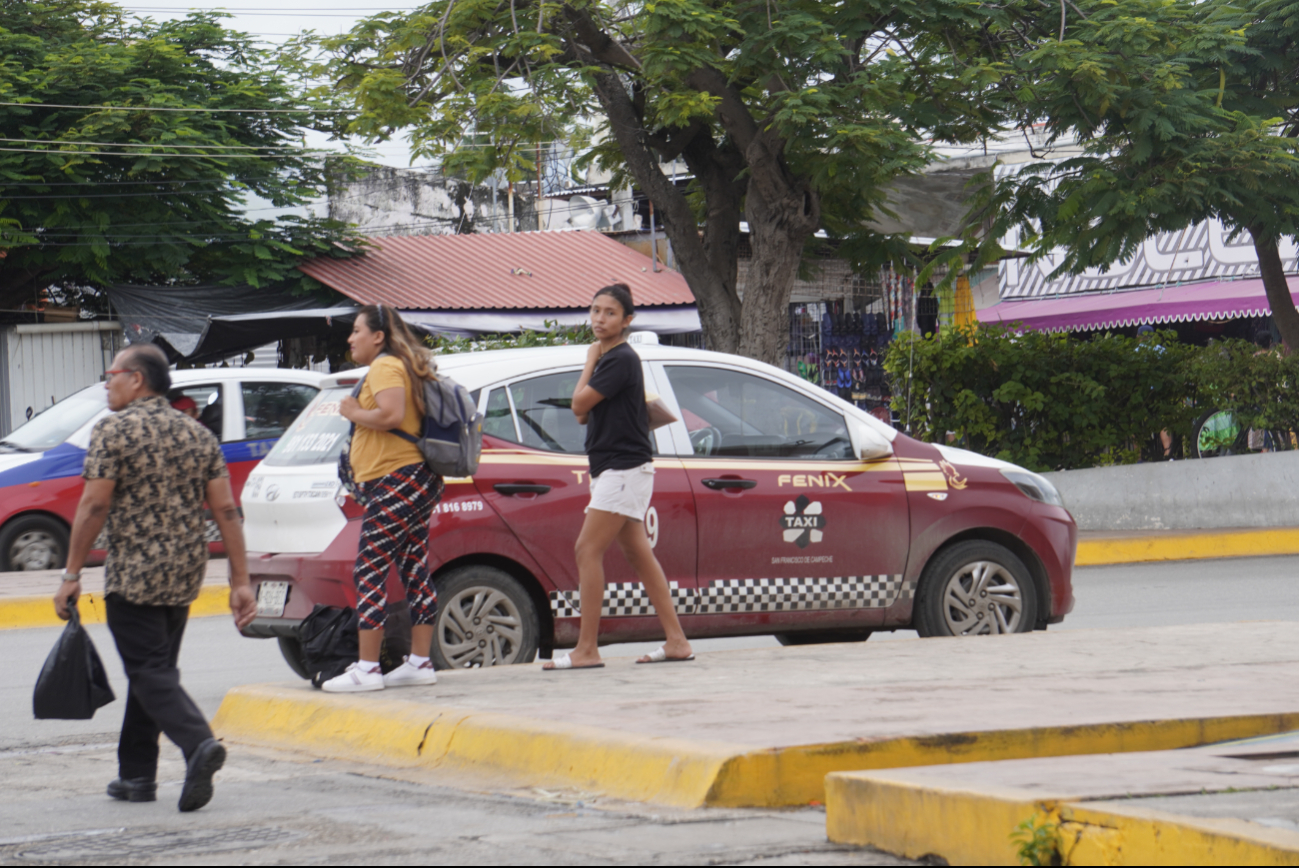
(272, 807)
(215, 658)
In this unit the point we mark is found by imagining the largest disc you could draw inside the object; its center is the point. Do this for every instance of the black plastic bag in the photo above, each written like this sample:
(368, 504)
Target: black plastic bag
(329, 642)
(73, 683)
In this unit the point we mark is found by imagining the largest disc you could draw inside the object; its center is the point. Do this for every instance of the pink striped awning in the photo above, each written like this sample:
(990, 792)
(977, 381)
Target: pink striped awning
(1214, 300)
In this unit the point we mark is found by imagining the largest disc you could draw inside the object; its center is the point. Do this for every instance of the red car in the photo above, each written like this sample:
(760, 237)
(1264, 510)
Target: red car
(778, 509)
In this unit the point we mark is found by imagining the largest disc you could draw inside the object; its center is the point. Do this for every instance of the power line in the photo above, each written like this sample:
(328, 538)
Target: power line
(158, 145)
(129, 108)
(173, 156)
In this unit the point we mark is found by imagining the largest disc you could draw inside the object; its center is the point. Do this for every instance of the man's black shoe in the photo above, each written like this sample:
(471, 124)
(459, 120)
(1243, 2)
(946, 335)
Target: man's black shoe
(205, 762)
(134, 790)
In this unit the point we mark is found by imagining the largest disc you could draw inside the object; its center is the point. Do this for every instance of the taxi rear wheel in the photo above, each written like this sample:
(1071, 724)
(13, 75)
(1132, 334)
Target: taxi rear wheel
(975, 588)
(33, 543)
(485, 618)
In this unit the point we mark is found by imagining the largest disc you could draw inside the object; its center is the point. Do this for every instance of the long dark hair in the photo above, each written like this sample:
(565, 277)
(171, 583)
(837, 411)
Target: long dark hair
(400, 341)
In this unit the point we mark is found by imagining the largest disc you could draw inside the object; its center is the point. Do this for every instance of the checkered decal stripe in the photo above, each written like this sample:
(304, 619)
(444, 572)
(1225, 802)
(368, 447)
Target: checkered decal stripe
(621, 600)
(798, 595)
(628, 599)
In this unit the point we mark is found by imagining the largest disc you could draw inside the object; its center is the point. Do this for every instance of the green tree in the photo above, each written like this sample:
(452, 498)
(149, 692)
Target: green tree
(794, 115)
(1183, 112)
(153, 190)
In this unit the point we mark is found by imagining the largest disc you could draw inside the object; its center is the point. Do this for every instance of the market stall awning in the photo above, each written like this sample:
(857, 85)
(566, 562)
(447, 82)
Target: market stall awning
(661, 320)
(1214, 300)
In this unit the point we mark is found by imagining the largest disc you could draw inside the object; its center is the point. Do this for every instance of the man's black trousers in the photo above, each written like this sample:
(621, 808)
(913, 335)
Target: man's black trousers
(148, 638)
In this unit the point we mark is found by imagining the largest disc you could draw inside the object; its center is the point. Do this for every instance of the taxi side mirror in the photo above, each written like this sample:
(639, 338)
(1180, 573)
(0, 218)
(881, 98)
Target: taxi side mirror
(867, 442)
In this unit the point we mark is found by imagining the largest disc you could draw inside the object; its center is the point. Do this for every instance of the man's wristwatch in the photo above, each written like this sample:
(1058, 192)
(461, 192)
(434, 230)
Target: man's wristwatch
(71, 577)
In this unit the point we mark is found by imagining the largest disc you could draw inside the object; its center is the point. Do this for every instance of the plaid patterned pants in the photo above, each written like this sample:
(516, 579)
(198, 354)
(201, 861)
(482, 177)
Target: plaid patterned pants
(394, 531)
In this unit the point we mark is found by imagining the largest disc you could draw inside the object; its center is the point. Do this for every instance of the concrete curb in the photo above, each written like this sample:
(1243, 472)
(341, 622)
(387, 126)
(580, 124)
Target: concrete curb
(672, 771)
(16, 612)
(1187, 545)
(974, 827)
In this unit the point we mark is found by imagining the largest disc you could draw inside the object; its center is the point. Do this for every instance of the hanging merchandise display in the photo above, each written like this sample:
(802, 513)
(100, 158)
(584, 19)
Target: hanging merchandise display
(842, 350)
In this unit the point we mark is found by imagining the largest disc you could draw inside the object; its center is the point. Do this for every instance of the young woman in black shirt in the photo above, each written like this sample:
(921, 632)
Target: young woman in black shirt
(610, 401)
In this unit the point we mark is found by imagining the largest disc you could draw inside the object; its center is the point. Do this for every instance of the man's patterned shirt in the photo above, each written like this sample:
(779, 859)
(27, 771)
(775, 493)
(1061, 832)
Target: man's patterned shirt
(162, 461)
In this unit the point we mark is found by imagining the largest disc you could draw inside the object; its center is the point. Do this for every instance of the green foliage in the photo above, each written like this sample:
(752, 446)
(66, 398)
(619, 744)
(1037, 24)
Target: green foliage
(555, 335)
(90, 196)
(1044, 401)
(1037, 842)
(1259, 387)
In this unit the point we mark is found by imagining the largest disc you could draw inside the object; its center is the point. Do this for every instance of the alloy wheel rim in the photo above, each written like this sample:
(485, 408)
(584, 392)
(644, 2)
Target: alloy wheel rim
(480, 627)
(982, 598)
(34, 550)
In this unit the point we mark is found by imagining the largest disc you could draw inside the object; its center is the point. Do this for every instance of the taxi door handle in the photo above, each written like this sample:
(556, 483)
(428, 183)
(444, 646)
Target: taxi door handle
(720, 484)
(513, 488)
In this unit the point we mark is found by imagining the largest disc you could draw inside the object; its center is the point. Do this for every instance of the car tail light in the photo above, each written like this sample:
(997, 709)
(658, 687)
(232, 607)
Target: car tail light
(351, 509)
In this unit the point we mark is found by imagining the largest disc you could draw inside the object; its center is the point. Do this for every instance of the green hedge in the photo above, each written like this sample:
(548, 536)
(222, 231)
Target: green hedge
(1052, 402)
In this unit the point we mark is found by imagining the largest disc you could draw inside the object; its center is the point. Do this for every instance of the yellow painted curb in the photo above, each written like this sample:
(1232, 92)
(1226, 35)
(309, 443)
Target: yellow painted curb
(39, 611)
(915, 818)
(673, 771)
(408, 734)
(1189, 546)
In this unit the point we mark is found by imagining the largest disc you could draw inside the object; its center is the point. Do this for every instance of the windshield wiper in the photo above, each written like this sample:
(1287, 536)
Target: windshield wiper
(14, 446)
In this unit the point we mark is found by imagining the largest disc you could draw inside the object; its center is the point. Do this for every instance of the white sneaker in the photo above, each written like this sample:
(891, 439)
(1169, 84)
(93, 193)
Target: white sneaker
(408, 674)
(355, 680)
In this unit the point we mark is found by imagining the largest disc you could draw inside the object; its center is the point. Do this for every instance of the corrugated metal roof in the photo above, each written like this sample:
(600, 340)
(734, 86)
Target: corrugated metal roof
(499, 270)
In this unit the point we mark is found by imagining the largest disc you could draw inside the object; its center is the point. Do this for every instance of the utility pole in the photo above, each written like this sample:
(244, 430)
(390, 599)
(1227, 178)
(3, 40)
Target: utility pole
(539, 226)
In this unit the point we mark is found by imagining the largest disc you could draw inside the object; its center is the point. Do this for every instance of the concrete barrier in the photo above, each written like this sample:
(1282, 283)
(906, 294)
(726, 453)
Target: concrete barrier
(1237, 491)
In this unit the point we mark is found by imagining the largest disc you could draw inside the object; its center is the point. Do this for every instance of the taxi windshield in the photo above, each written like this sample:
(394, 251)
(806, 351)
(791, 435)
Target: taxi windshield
(57, 423)
(316, 436)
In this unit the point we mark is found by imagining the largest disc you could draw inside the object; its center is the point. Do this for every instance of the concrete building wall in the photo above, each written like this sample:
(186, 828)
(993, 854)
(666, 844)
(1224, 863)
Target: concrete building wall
(1237, 491)
(392, 201)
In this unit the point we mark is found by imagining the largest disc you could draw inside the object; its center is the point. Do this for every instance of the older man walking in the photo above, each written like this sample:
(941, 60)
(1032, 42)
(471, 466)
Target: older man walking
(148, 471)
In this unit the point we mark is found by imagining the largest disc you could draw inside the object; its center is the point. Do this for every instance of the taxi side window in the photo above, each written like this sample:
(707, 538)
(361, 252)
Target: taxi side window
(738, 415)
(270, 408)
(543, 408)
(497, 420)
(207, 405)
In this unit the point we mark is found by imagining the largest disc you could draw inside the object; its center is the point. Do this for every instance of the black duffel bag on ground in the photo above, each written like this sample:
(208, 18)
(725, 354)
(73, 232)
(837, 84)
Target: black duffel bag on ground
(72, 684)
(329, 642)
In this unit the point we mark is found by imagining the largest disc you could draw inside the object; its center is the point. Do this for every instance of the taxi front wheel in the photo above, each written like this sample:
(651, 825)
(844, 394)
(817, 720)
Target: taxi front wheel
(975, 588)
(33, 542)
(485, 618)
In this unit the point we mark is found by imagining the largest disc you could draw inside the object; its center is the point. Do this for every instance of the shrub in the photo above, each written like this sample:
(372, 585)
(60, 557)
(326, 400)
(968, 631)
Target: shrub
(1044, 401)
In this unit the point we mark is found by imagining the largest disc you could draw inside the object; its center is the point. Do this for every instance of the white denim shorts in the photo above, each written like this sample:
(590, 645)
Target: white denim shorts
(624, 492)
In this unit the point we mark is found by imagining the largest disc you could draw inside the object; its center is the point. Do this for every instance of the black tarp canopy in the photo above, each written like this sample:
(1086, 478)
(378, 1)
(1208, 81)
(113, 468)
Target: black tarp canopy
(176, 317)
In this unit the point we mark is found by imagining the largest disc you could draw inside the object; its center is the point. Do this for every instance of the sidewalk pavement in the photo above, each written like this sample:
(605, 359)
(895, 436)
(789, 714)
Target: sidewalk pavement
(26, 597)
(1235, 803)
(762, 728)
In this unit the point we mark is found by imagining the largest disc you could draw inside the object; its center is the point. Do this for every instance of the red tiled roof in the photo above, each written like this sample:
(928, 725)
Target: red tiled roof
(498, 270)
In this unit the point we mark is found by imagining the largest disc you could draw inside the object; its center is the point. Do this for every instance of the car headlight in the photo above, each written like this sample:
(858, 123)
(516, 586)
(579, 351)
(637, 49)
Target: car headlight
(1037, 487)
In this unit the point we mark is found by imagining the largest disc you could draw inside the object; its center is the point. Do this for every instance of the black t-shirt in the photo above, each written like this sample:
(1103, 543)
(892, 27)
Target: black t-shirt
(617, 430)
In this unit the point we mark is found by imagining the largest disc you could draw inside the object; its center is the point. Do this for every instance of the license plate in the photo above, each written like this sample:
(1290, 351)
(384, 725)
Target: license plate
(271, 597)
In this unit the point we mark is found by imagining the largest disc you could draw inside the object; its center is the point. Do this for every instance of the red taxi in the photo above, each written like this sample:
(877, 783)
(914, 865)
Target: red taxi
(778, 509)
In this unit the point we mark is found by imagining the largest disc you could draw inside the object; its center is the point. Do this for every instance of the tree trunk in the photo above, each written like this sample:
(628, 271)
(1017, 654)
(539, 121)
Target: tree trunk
(718, 310)
(782, 214)
(1277, 287)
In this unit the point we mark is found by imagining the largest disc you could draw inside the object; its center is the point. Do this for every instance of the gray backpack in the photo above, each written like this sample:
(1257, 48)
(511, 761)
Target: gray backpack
(452, 436)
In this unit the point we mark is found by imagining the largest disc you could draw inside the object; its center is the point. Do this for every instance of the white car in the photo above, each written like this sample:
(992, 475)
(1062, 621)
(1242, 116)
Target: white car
(40, 462)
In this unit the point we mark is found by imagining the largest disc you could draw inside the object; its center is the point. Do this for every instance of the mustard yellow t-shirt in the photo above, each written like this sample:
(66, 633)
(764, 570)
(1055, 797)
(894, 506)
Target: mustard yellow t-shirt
(378, 453)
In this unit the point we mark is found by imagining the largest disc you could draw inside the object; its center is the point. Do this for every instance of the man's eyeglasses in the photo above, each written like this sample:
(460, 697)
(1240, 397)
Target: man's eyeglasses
(108, 375)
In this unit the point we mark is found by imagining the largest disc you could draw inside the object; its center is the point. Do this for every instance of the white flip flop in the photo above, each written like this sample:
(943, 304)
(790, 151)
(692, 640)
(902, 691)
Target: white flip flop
(660, 655)
(563, 661)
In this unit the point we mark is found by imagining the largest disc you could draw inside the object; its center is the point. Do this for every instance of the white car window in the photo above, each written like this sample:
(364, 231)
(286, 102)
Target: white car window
(57, 423)
(269, 408)
(738, 415)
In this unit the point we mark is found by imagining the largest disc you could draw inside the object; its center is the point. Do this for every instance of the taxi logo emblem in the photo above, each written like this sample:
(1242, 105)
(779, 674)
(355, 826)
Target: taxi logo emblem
(802, 521)
(272, 492)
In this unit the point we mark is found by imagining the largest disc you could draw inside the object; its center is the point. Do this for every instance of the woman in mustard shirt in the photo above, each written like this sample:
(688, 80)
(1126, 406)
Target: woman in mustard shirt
(399, 491)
